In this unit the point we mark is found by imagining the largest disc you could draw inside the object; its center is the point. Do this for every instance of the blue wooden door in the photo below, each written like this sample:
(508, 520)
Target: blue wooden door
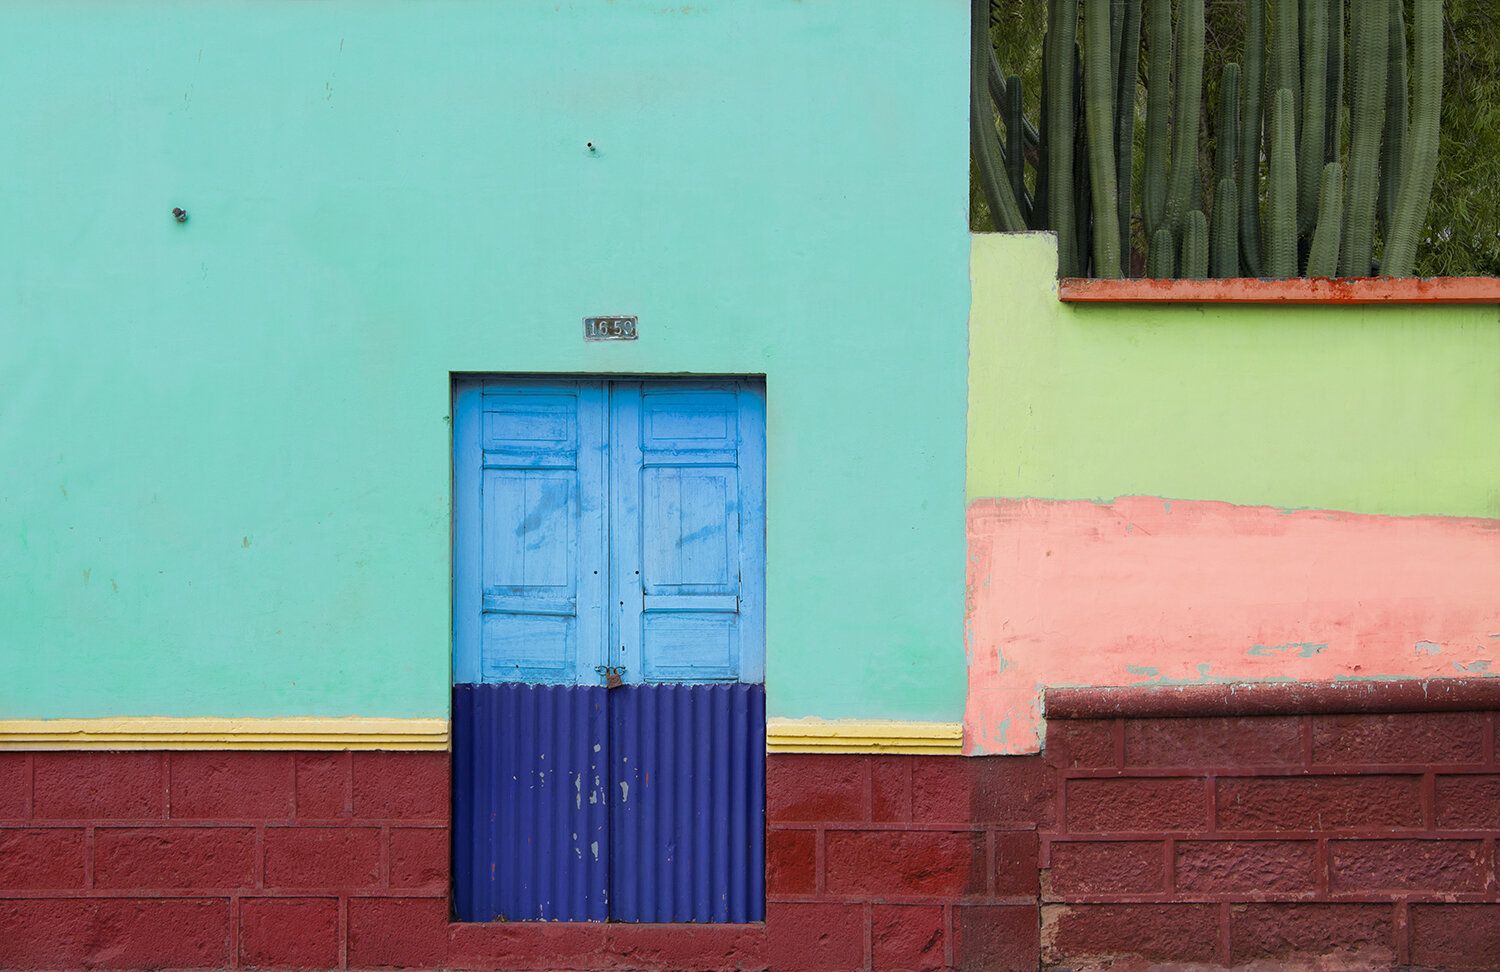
(609, 527)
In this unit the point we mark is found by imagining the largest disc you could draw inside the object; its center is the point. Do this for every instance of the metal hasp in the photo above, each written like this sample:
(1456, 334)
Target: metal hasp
(609, 650)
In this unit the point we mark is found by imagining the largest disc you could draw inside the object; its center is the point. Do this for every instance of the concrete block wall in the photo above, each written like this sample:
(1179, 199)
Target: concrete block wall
(1368, 837)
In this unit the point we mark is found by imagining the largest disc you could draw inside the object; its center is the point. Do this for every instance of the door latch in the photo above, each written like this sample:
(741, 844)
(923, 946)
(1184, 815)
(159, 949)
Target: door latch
(613, 677)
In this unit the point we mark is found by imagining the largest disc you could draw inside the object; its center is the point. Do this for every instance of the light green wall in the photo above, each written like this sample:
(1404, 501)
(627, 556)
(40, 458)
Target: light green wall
(225, 444)
(1371, 408)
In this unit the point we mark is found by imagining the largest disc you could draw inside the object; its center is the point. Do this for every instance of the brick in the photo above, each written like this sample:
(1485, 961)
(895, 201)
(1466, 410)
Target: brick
(1407, 865)
(644, 946)
(1318, 803)
(1106, 867)
(904, 863)
(1468, 802)
(289, 933)
(1081, 743)
(322, 858)
(399, 932)
(804, 937)
(1016, 860)
(996, 938)
(116, 933)
(419, 858)
(1229, 742)
(41, 860)
(401, 786)
(981, 789)
(518, 945)
(1229, 866)
(908, 937)
(15, 785)
(1420, 738)
(791, 862)
(1455, 936)
(1282, 931)
(815, 787)
(231, 785)
(1105, 806)
(890, 787)
(174, 857)
(323, 786)
(1163, 932)
(97, 786)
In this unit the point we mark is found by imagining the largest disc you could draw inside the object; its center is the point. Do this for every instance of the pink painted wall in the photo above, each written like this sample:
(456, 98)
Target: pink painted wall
(1145, 590)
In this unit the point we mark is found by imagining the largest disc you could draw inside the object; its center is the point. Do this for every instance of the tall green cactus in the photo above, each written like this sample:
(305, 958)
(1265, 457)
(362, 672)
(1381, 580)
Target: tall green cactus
(1225, 237)
(1367, 118)
(1062, 36)
(1004, 211)
(1281, 190)
(1323, 258)
(1158, 104)
(1099, 119)
(1393, 143)
(1186, 113)
(1252, 116)
(1333, 100)
(1125, 111)
(1195, 246)
(1314, 91)
(1161, 258)
(1419, 164)
(1227, 128)
(1285, 51)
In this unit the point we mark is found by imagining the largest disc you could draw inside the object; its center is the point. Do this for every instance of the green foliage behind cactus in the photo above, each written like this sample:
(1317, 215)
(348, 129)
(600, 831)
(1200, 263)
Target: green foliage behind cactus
(1119, 157)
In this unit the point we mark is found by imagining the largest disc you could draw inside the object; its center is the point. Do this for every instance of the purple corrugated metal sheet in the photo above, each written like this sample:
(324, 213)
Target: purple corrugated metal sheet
(687, 802)
(530, 819)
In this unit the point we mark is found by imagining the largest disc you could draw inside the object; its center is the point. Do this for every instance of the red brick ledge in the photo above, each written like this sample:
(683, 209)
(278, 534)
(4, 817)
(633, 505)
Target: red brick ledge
(1273, 698)
(1248, 290)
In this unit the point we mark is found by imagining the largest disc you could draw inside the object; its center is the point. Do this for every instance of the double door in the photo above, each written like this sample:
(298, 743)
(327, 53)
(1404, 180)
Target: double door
(609, 649)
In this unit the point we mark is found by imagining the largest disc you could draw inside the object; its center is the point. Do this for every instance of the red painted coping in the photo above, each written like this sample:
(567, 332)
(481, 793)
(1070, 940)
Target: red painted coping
(1249, 290)
(1273, 698)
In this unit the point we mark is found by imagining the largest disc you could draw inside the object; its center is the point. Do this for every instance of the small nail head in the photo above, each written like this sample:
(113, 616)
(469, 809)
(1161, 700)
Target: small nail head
(180, 215)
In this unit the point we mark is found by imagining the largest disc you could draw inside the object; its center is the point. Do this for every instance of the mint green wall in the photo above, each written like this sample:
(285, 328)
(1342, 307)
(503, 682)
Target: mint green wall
(1371, 408)
(225, 444)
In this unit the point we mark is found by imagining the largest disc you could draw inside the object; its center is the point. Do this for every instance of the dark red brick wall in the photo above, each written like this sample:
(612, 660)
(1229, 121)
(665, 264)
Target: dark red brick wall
(1364, 838)
(340, 860)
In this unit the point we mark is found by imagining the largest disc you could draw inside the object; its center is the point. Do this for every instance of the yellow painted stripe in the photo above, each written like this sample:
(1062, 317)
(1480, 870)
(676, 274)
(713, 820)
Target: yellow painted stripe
(853, 736)
(355, 732)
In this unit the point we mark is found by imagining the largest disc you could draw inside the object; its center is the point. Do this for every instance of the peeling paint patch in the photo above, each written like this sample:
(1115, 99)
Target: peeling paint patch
(1482, 665)
(1429, 648)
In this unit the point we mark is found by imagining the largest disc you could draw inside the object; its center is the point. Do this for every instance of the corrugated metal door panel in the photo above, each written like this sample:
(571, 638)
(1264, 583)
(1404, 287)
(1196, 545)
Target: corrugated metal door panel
(530, 816)
(687, 798)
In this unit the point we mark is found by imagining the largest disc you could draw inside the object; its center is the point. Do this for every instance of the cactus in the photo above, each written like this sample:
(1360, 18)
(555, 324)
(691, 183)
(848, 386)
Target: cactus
(1158, 102)
(1062, 34)
(1367, 118)
(1393, 143)
(1281, 191)
(1227, 127)
(1251, 123)
(1224, 237)
(1125, 93)
(1285, 50)
(1333, 99)
(1186, 113)
(1195, 246)
(1161, 258)
(1419, 162)
(1099, 118)
(1323, 259)
(1004, 211)
(1015, 144)
(1314, 90)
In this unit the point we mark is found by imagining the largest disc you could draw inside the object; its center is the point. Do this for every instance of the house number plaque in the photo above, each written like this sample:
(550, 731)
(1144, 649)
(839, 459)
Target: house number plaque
(609, 329)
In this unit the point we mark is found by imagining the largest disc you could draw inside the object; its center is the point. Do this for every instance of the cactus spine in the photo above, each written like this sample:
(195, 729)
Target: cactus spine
(1195, 246)
(1367, 117)
(1158, 103)
(1323, 259)
(1186, 112)
(1281, 190)
(1251, 123)
(1394, 141)
(1419, 163)
(1062, 35)
(1099, 117)
(1314, 91)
